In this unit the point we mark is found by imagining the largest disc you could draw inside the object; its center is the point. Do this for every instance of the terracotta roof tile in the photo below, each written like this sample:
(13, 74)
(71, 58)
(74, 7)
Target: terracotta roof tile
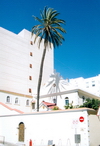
(49, 104)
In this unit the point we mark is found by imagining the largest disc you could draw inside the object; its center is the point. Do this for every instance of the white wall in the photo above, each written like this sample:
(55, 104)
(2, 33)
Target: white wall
(94, 129)
(74, 99)
(58, 126)
(21, 105)
(6, 111)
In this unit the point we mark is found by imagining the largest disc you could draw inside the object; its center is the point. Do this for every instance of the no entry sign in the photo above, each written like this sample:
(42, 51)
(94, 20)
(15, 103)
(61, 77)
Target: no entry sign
(81, 119)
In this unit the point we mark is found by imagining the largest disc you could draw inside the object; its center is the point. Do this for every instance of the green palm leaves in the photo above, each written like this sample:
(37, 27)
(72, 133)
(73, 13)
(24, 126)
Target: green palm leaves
(49, 28)
(49, 31)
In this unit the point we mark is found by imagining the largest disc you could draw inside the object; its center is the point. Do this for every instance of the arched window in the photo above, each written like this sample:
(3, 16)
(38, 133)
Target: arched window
(8, 99)
(66, 101)
(27, 102)
(83, 98)
(21, 132)
(55, 100)
(16, 100)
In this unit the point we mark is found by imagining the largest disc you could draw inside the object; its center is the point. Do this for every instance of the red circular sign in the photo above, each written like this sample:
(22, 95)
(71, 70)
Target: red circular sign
(81, 119)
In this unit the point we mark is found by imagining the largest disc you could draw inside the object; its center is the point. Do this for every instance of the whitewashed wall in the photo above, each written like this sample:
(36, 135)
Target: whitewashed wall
(21, 105)
(94, 129)
(58, 126)
(74, 98)
(5, 111)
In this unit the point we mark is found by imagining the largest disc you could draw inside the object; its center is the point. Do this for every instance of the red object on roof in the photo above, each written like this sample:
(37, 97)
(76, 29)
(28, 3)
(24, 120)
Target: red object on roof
(49, 105)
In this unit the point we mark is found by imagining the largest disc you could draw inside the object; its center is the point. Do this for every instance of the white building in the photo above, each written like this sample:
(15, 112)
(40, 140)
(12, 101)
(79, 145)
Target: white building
(66, 92)
(91, 84)
(19, 68)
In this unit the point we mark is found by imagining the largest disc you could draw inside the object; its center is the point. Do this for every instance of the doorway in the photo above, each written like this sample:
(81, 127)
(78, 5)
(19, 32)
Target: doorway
(21, 132)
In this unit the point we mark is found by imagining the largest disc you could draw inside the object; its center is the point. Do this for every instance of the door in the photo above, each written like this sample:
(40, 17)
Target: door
(21, 132)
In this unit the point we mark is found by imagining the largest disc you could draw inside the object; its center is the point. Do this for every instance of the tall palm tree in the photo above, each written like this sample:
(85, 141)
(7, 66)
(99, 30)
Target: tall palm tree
(47, 31)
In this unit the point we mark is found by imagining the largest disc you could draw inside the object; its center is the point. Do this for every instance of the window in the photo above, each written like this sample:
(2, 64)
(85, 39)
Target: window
(66, 101)
(87, 84)
(55, 100)
(31, 54)
(16, 100)
(30, 77)
(30, 65)
(33, 105)
(27, 102)
(83, 98)
(93, 83)
(8, 99)
(31, 42)
(30, 91)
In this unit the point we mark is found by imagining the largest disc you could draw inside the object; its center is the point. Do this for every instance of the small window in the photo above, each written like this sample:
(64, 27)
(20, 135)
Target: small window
(93, 83)
(83, 98)
(31, 54)
(16, 100)
(30, 65)
(8, 99)
(33, 105)
(87, 86)
(55, 100)
(30, 91)
(27, 102)
(66, 101)
(30, 77)
(31, 42)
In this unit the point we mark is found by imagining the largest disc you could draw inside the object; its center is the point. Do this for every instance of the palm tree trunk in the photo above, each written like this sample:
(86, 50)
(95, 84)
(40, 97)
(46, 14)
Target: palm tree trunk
(40, 78)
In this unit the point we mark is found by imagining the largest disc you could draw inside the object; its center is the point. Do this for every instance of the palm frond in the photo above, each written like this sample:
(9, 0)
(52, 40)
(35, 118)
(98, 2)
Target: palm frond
(35, 29)
(53, 15)
(50, 28)
(59, 28)
(36, 18)
(58, 34)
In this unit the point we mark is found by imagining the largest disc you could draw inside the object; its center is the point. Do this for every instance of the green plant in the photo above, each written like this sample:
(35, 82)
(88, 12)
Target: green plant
(91, 103)
(69, 106)
(55, 108)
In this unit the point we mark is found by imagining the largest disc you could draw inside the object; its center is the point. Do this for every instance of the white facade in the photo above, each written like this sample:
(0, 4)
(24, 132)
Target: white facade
(19, 67)
(91, 84)
(60, 127)
(74, 97)
(64, 92)
(16, 101)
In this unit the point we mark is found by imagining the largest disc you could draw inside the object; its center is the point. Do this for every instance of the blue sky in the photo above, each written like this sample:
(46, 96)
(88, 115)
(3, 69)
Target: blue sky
(79, 55)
